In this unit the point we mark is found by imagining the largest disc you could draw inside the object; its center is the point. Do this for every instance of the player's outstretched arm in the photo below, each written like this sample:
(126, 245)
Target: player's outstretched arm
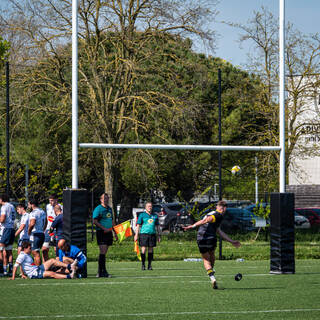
(199, 223)
(224, 236)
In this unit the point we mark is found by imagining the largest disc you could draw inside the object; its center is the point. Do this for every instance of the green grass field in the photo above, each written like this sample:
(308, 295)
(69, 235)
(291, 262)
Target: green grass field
(173, 290)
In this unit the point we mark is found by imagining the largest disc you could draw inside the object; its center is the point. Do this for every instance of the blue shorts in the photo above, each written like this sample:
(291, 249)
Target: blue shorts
(82, 261)
(38, 273)
(47, 238)
(37, 240)
(7, 236)
(49, 241)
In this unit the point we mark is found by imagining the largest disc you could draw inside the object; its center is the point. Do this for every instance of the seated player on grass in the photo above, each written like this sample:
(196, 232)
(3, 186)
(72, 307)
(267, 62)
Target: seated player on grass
(32, 271)
(71, 254)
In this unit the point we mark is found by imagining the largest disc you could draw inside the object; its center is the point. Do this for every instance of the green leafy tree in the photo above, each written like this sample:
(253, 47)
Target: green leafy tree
(302, 59)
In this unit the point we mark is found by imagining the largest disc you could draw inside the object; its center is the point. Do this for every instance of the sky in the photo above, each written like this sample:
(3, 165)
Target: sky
(304, 14)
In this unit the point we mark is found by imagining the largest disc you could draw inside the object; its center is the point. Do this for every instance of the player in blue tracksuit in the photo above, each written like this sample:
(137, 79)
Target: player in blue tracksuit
(71, 254)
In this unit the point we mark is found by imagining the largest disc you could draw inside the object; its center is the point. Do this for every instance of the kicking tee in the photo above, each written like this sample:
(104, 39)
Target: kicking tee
(209, 230)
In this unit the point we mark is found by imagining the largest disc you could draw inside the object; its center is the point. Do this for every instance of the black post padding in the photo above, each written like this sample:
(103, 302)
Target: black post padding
(75, 215)
(282, 233)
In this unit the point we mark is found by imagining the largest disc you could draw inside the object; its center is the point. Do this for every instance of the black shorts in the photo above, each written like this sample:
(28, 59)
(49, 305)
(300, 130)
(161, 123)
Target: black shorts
(207, 245)
(147, 240)
(104, 238)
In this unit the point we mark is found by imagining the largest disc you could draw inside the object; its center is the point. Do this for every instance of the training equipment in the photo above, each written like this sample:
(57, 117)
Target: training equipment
(238, 277)
(236, 170)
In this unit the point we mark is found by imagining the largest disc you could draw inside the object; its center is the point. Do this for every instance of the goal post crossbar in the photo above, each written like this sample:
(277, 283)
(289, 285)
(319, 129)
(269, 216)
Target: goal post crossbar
(179, 147)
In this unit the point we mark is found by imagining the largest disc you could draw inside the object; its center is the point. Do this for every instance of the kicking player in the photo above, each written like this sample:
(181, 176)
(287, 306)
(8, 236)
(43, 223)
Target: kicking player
(147, 225)
(71, 254)
(209, 226)
(37, 226)
(51, 215)
(33, 271)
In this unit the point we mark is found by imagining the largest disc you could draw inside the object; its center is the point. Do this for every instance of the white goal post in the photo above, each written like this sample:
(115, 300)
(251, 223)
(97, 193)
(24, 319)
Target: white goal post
(280, 148)
(179, 147)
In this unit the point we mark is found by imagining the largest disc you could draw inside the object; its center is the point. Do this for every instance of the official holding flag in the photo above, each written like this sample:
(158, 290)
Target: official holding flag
(147, 224)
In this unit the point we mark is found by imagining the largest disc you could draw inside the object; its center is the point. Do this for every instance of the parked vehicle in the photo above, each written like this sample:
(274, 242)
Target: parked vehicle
(259, 221)
(238, 219)
(301, 222)
(312, 216)
(315, 210)
(168, 216)
(192, 212)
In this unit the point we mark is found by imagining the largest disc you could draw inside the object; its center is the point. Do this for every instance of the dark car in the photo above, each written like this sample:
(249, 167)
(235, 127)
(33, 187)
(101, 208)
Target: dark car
(312, 216)
(168, 215)
(238, 219)
(193, 212)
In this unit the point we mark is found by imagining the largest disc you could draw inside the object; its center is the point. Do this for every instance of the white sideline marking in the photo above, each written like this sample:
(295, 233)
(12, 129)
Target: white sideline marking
(108, 315)
(74, 282)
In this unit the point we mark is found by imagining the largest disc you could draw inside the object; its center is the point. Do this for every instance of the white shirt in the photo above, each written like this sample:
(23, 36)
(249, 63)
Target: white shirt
(51, 214)
(9, 212)
(27, 264)
(40, 216)
(24, 233)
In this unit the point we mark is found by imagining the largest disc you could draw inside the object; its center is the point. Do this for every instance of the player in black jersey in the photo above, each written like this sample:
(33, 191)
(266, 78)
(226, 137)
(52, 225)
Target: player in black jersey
(209, 226)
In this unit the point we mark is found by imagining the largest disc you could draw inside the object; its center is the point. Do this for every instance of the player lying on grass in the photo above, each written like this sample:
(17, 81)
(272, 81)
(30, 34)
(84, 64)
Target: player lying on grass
(32, 271)
(209, 226)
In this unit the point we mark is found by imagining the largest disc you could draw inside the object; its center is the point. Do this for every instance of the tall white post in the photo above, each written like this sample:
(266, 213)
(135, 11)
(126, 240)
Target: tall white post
(257, 183)
(74, 94)
(282, 181)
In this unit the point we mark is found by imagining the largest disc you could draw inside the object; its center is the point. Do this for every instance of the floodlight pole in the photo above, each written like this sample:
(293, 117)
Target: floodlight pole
(220, 154)
(74, 94)
(282, 169)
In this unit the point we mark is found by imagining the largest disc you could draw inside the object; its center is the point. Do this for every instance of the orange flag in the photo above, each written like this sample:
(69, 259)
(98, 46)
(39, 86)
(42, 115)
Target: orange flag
(137, 250)
(123, 230)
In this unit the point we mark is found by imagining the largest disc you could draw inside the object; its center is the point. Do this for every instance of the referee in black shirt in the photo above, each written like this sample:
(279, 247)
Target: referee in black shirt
(209, 226)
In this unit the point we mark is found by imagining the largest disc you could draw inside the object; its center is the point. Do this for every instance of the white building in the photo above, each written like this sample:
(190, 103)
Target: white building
(305, 159)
